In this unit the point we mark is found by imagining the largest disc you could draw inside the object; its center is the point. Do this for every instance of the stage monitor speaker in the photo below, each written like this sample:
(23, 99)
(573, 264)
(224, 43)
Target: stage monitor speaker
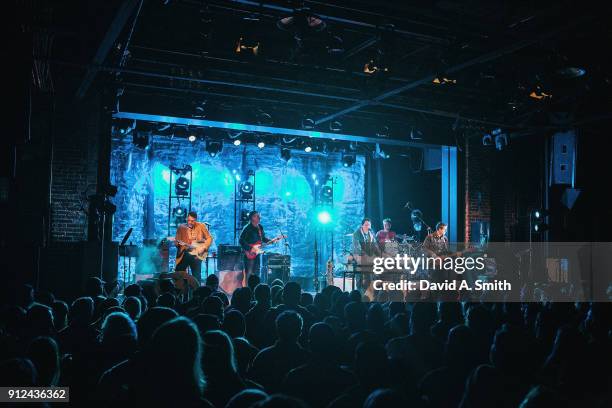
(229, 258)
(563, 157)
(276, 266)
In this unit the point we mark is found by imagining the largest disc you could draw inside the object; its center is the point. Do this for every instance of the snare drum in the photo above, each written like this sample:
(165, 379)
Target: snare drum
(391, 248)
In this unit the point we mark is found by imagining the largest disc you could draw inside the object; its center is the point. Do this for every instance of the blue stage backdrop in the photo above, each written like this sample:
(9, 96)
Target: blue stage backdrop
(285, 194)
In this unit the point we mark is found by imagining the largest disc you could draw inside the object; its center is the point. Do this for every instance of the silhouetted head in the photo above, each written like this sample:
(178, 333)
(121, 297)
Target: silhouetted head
(24, 296)
(262, 294)
(44, 297)
(18, 372)
(201, 293)
(277, 282)
(375, 318)
(94, 287)
(276, 293)
(172, 359)
(241, 299)
(234, 324)
(151, 320)
(355, 296)
(214, 306)
(206, 323)
(422, 317)
(81, 311)
(166, 300)
(384, 398)
(371, 364)
(322, 341)
(218, 354)
(253, 281)
(460, 348)
(39, 321)
(132, 290)
(355, 316)
(223, 297)
(396, 307)
(321, 302)
(166, 285)
(291, 293)
(479, 319)
(44, 354)
(132, 307)
(306, 299)
(118, 325)
(280, 401)
(289, 326)
(212, 281)
(451, 313)
(246, 398)
(509, 350)
(60, 314)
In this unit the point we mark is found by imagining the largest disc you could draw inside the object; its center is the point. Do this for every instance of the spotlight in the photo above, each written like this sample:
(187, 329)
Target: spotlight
(261, 144)
(285, 154)
(308, 149)
(539, 214)
(237, 142)
(192, 137)
(540, 227)
(308, 123)
(214, 147)
(335, 126)
(326, 195)
(348, 159)
(246, 190)
(487, 140)
(442, 80)
(182, 186)
(124, 126)
(140, 139)
(501, 141)
(179, 214)
(244, 217)
(301, 22)
(324, 217)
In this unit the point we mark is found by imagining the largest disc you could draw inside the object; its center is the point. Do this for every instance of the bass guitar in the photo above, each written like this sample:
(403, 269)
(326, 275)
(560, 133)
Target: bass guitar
(258, 247)
(196, 248)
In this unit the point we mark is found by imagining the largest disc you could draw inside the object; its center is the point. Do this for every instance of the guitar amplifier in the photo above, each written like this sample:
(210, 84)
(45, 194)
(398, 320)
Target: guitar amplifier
(276, 266)
(229, 258)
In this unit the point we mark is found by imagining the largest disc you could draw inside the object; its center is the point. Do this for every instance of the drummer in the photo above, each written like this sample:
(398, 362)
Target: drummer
(385, 235)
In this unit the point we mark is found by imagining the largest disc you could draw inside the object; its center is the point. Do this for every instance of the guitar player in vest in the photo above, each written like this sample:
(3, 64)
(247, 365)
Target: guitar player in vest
(195, 235)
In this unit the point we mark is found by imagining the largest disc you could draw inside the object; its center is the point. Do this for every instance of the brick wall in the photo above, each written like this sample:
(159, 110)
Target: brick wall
(498, 187)
(75, 161)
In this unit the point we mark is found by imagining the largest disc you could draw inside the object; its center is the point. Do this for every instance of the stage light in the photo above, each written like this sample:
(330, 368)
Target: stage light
(314, 176)
(326, 195)
(308, 123)
(335, 126)
(192, 138)
(140, 139)
(324, 217)
(246, 190)
(539, 213)
(301, 22)
(213, 147)
(308, 149)
(246, 45)
(285, 154)
(501, 141)
(487, 140)
(441, 80)
(348, 159)
(182, 186)
(261, 144)
(179, 214)
(124, 126)
(237, 142)
(540, 227)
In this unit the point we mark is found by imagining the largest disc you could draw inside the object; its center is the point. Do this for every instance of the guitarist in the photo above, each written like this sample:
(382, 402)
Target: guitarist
(251, 234)
(189, 233)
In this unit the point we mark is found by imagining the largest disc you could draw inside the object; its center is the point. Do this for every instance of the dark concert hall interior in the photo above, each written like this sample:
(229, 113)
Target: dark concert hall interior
(289, 203)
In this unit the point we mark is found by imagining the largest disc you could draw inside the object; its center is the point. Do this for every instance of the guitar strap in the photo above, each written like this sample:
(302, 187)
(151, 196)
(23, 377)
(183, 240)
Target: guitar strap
(259, 232)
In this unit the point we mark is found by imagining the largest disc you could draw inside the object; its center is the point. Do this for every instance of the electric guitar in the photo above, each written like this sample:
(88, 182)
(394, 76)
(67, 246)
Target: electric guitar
(196, 248)
(258, 247)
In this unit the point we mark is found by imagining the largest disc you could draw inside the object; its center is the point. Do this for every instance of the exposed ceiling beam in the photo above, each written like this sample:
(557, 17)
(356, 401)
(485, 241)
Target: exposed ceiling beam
(268, 129)
(123, 14)
(490, 56)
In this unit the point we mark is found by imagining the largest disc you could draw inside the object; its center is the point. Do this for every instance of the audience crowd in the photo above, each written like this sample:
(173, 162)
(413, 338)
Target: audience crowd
(276, 346)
